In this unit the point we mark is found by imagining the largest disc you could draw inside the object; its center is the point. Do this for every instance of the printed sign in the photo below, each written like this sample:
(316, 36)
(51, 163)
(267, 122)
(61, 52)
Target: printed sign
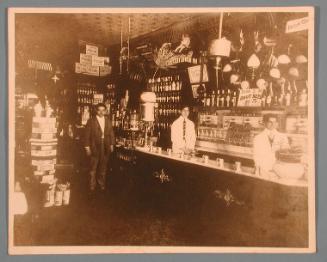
(91, 50)
(249, 97)
(297, 25)
(194, 74)
(97, 61)
(85, 59)
(79, 68)
(105, 70)
(92, 70)
(39, 65)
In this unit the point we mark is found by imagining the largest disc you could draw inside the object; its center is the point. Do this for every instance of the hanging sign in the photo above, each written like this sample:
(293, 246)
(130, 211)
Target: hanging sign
(91, 50)
(80, 68)
(85, 59)
(250, 97)
(99, 60)
(92, 70)
(297, 25)
(105, 70)
(194, 73)
(39, 65)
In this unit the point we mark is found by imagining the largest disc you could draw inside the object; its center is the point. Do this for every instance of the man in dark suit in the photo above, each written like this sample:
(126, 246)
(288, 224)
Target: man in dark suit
(99, 143)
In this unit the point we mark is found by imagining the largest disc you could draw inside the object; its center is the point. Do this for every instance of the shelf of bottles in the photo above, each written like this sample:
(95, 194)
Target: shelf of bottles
(168, 95)
(87, 96)
(221, 99)
(110, 97)
(224, 125)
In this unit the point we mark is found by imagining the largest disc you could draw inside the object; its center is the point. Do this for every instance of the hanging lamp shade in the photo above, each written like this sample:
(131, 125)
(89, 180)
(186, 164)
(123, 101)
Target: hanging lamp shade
(227, 68)
(293, 72)
(301, 59)
(245, 85)
(220, 47)
(234, 78)
(284, 59)
(274, 73)
(148, 97)
(253, 61)
(261, 84)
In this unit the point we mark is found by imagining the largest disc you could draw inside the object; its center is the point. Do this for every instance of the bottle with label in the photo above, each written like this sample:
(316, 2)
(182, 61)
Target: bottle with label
(212, 102)
(228, 98)
(234, 99)
(222, 99)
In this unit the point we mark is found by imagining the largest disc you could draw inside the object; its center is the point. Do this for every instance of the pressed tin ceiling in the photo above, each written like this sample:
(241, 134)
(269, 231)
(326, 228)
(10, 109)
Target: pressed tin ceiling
(100, 28)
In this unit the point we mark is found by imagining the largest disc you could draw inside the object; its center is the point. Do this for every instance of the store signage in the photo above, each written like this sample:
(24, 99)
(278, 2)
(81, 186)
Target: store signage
(91, 50)
(39, 65)
(250, 97)
(92, 70)
(85, 59)
(99, 60)
(297, 25)
(194, 73)
(80, 68)
(105, 70)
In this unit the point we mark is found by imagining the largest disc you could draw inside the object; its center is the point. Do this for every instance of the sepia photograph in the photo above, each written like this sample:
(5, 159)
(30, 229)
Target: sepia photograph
(161, 130)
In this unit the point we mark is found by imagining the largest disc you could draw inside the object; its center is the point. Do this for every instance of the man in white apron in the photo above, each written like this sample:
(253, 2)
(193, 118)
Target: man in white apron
(266, 144)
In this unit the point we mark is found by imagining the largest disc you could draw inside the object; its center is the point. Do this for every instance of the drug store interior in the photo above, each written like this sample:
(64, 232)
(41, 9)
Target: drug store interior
(230, 71)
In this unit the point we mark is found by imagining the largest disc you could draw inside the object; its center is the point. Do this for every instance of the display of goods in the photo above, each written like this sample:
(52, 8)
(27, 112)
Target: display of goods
(292, 155)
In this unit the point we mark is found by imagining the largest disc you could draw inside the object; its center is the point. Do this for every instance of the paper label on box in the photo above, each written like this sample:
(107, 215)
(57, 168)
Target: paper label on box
(80, 68)
(92, 70)
(85, 59)
(91, 50)
(105, 70)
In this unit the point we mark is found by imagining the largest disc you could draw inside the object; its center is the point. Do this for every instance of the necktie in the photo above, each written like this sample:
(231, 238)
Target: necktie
(184, 129)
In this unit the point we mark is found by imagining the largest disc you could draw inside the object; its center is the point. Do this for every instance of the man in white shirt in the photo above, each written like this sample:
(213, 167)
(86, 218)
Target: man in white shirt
(266, 144)
(99, 142)
(183, 133)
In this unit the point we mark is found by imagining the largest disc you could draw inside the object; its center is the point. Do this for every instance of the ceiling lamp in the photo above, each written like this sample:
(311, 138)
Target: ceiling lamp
(55, 78)
(234, 79)
(261, 84)
(253, 61)
(293, 72)
(301, 59)
(227, 68)
(284, 59)
(219, 48)
(274, 73)
(245, 85)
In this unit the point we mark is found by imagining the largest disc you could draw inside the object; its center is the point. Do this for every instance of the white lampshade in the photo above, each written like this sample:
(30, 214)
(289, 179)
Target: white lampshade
(274, 73)
(284, 59)
(148, 97)
(245, 85)
(220, 47)
(301, 59)
(234, 78)
(294, 72)
(253, 61)
(261, 83)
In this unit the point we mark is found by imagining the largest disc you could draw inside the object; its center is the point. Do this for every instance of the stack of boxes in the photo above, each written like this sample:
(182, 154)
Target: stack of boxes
(44, 155)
